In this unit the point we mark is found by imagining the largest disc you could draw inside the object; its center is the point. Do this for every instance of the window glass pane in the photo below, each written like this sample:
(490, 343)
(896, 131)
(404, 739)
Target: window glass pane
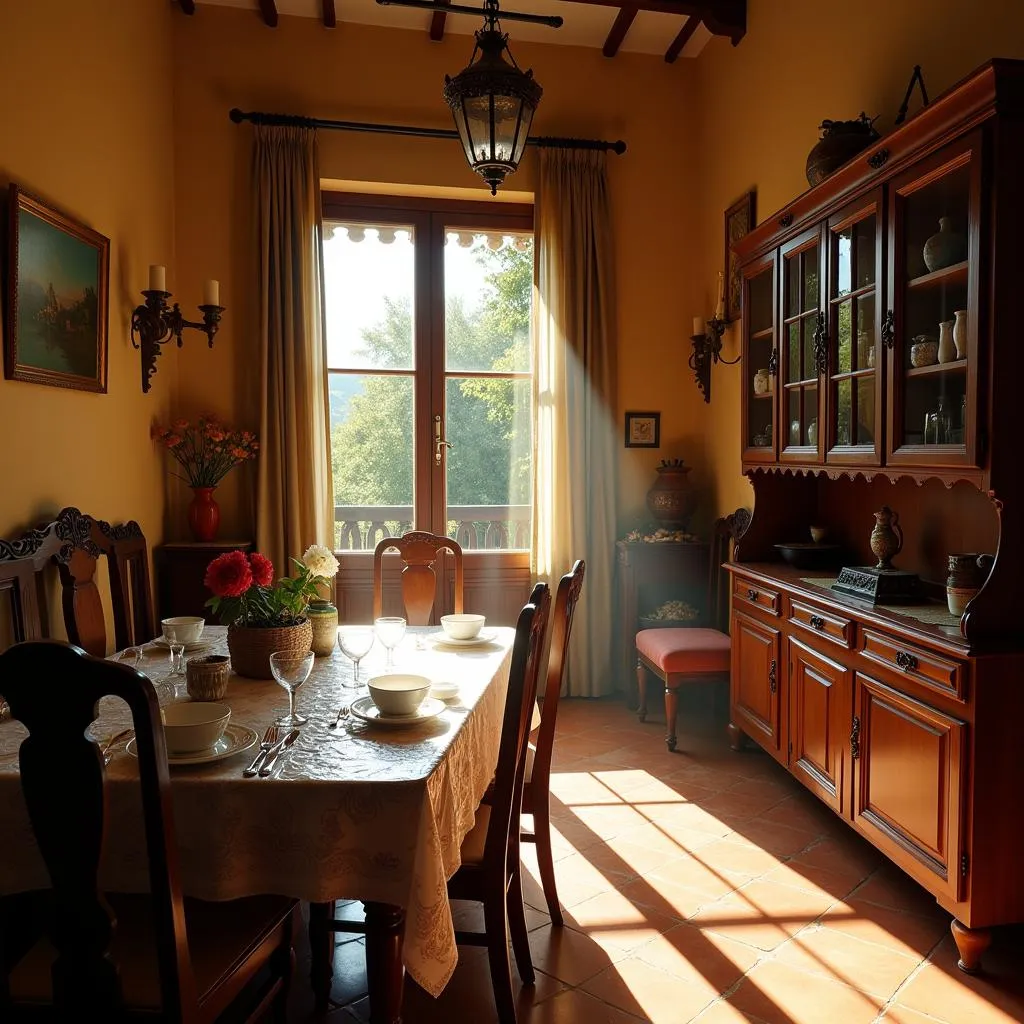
(866, 410)
(865, 245)
(810, 289)
(489, 425)
(793, 344)
(844, 400)
(792, 286)
(371, 457)
(865, 331)
(845, 332)
(369, 277)
(793, 403)
(810, 325)
(488, 282)
(844, 252)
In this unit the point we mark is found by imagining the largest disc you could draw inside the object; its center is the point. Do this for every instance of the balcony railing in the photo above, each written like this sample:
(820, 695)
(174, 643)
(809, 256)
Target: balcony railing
(475, 527)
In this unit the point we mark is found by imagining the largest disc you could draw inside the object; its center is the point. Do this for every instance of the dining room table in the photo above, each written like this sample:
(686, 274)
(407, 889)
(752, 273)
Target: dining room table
(358, 811)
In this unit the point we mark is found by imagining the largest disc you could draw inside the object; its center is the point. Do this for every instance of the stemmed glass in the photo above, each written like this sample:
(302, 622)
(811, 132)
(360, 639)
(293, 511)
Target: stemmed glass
(355, 643)
(176, 675)
(390, 629)
(291, 671)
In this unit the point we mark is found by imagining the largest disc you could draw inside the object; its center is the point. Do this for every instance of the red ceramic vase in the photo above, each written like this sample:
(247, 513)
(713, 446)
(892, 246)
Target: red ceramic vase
(203, 514)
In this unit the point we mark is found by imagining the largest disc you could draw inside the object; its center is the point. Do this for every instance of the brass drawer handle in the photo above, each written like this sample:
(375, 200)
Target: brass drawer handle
(752, 594)
(906, 661)
(817, 622)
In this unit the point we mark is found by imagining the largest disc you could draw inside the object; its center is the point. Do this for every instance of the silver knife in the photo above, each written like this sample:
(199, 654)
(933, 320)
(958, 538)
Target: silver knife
(276, 751)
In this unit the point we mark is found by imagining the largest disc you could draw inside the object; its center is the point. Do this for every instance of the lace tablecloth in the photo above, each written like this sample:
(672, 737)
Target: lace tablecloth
(360, 812)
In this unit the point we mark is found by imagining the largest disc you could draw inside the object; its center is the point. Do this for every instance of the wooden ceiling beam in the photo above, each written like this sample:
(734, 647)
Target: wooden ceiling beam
(623, 20)
(268, 8)
(721, 17)
(437, 21)
(682, 39)
(330, 14)
(187, 6)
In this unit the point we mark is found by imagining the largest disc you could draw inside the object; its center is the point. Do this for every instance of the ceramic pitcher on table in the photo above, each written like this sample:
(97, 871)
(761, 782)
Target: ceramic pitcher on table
(886, 537)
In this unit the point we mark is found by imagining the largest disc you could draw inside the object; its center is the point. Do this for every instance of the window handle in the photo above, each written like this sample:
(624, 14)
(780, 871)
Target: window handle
(439, 442)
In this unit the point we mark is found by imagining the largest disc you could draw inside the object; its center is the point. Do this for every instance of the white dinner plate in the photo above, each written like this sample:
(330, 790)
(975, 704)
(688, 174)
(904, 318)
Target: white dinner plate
(236, 738)
(364, 709)
(485, 636)
(196, 645)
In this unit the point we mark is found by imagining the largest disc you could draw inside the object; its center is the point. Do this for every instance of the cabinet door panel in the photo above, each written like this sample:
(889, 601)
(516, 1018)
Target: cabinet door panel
(909, 782)
(760, 353)
(756, 681)
(819, 723)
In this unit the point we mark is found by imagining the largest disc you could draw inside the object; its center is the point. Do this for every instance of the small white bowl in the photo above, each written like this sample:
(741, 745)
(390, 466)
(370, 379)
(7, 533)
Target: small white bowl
(462, 627)
(187, 628)
(398, 694)
(192, 726)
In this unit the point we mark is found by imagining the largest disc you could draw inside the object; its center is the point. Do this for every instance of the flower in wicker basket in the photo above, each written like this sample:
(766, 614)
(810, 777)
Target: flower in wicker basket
(264, 616)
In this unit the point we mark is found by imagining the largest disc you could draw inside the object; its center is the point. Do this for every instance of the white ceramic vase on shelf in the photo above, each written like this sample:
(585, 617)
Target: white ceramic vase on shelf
(960, 333)
(947, 349)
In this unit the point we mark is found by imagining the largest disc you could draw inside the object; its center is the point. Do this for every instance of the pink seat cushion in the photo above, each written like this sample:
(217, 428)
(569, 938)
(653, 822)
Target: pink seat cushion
(685, 650)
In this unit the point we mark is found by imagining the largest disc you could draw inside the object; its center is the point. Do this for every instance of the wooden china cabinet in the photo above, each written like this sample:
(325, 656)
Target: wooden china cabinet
(902, 718)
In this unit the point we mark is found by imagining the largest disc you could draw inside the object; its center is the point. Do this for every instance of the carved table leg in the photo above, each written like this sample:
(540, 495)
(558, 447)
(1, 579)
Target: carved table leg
(971, 944)
(384, 972)
(671, 709)
(735, 736)
(641, 689)
(321, 953)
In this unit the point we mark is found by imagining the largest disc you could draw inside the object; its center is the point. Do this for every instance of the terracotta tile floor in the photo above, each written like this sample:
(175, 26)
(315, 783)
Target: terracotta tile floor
(707, 886)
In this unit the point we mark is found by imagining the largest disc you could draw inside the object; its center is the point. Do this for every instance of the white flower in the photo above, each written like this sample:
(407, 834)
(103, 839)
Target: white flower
(320, 561)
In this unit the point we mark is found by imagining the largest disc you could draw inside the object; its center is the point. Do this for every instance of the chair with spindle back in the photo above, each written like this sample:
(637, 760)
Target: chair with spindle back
(419, 552)
(131, 596)
(698, 652)
(186, 960)
(19, 593)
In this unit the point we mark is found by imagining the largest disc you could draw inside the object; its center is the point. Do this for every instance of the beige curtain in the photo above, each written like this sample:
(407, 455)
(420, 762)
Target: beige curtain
(294, 507)
(574, 442)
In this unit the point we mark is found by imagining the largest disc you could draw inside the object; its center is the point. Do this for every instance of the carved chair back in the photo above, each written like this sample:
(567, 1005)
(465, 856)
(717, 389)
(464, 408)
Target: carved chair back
(419, 552)
(54, 689)
(727, 530)
(131, 595)
(19, 596)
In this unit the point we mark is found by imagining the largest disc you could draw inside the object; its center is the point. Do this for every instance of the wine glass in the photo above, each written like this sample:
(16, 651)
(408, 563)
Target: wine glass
(176, 647)
(390, 629)
(291, 671)
(355, 643)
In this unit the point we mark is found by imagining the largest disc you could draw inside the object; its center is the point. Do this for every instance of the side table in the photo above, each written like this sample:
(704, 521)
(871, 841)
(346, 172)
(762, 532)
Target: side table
(648, 575)
(180, 568)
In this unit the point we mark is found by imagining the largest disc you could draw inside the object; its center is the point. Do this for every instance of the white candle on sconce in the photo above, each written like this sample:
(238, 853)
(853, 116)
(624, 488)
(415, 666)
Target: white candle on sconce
(157, 278)
(698, 326)
(720, 307)
(211, 293)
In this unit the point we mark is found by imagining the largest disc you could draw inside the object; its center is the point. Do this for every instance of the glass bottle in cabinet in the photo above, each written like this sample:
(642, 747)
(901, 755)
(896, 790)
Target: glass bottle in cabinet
(802, 350)
(854, 401)
(935, 298)
(760, 361)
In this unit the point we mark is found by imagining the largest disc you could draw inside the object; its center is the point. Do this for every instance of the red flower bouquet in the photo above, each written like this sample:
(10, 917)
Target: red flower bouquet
(207, 450)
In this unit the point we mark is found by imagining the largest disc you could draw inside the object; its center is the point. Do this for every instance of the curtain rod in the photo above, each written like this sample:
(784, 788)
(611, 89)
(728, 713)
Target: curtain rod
(297, 121)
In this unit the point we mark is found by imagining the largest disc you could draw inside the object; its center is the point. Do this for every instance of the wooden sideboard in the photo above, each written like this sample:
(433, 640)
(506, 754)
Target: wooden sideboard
(180, 568)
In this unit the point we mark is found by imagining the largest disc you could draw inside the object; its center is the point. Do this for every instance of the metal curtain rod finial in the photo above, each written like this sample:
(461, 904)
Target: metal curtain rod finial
(553, 21)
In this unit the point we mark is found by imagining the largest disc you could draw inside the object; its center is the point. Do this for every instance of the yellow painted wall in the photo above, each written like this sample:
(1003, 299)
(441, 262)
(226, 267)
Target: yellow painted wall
(227, 58)
(85, 110)
(760, 104)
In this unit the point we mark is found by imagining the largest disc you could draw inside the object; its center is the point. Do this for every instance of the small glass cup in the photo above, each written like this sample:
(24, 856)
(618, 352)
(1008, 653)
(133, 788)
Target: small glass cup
(131, 656)
(291, 671)
(390, 629)
(355, 643)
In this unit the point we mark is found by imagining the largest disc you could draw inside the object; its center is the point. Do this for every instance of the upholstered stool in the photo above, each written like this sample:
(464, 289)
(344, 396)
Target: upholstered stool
(676, 656)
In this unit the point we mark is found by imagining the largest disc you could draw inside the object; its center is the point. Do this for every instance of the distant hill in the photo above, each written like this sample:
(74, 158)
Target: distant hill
(341, 389)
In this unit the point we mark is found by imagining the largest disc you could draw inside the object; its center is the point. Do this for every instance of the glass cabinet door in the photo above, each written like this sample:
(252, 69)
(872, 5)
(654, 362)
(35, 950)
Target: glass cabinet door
(802, 356)
(933, 326)
(854, 400)
(760, 361)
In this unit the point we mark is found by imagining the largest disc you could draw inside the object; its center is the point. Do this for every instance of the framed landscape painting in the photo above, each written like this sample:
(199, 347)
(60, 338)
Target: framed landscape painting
(57, 277)
(739, 219)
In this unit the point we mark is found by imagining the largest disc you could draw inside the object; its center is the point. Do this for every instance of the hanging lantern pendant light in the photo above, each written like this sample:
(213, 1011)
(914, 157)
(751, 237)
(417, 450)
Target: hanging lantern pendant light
(493, 103)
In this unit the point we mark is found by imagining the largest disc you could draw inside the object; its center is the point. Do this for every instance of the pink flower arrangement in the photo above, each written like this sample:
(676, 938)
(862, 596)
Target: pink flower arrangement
(207, 450)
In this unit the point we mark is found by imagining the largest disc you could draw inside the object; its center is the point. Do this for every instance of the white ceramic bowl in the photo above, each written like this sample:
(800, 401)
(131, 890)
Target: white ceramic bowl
(462, 627)
(187, 628)
(398, 694)
(192, 726)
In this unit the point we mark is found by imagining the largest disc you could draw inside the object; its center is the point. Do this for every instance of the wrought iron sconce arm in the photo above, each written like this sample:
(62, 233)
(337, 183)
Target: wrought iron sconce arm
(155, 323)
(707, 350)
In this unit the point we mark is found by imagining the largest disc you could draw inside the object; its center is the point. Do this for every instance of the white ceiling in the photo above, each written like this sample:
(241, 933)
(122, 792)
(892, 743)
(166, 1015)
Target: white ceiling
(585, 24)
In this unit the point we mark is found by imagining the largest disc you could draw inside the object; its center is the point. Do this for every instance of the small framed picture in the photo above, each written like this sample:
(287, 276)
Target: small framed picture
(56, 298)
(739, 220)
(643, 429)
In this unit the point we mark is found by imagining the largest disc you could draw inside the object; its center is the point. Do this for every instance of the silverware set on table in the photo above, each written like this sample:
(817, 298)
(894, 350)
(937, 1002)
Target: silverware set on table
(272, 746)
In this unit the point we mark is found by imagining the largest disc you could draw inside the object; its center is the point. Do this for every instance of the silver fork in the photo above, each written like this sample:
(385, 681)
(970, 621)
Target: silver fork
(342, 714)
(269, 739)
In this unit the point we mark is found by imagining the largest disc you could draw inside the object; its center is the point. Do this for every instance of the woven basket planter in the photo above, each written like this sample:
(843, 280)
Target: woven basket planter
(251, 648)
(208, 677)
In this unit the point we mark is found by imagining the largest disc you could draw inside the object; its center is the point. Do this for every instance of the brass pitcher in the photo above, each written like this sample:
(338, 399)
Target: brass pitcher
(886, 537)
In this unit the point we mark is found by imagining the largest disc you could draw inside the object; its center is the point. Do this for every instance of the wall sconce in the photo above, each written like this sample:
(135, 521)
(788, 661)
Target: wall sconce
(155, 323)
(707, 344)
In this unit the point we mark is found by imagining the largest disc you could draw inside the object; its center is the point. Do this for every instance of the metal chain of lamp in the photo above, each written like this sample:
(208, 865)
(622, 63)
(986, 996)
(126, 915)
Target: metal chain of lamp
(493, 102)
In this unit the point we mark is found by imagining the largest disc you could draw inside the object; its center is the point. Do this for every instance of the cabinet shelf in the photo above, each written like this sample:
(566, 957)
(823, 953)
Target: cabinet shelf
(765, 394)
(766, 333)
(954, 274)
(956, 366)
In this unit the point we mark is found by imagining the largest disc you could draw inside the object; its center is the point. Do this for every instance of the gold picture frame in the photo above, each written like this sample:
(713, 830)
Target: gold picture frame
(739, 220)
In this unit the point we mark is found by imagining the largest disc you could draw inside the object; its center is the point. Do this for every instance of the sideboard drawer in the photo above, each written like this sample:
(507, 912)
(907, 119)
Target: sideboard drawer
(821, 622)
(754, 594)
(925, 667)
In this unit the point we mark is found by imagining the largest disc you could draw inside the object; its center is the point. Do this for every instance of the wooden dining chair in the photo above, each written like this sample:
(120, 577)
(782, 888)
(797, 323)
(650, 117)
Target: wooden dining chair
(131, 596)
(697, 653)
(20, 597)
(537, 785)
(110, 956)
(419, 552)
